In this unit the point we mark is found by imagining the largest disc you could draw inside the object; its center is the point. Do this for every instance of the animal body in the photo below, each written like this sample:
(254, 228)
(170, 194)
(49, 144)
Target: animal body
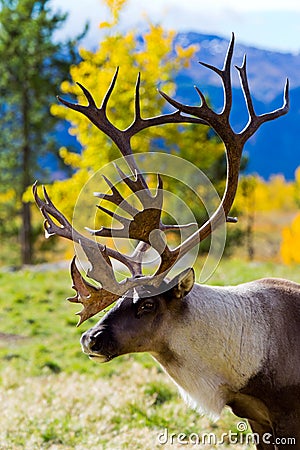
(237, 346)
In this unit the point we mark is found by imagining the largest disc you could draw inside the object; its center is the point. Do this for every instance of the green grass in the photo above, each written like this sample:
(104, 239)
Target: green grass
(235, 271)
(54, 397)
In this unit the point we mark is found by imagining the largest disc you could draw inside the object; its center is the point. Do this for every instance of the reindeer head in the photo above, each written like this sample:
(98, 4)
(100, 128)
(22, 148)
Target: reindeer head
(136, 312)
(140, 321)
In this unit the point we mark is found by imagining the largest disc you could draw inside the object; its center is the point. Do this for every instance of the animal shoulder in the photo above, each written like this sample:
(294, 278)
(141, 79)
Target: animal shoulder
(277, 284)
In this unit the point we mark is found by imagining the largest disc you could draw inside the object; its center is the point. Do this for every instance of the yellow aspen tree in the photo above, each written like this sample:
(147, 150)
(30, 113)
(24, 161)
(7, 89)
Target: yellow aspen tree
(156, 57)
(150, 55)
(290, 246)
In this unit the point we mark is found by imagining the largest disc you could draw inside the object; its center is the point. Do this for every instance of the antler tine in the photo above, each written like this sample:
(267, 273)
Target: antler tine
(134, 185)
(48, 209)
(116, 198)
(88, 95)
(110, 90)
(143, 194)
(245, 86)
(94, 299)
(137, 105)
(225, 76)
(202, 98)
(140, 123)
(254, 120)
(76, 106)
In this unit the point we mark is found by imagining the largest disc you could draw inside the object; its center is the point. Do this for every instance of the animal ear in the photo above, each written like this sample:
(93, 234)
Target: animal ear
(183, 283)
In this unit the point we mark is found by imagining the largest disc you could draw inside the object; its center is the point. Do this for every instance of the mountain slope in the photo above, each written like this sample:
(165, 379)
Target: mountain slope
(274, 148)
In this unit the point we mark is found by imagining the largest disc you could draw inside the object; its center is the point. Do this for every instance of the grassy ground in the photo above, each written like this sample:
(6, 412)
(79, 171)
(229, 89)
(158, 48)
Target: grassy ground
(54, 397)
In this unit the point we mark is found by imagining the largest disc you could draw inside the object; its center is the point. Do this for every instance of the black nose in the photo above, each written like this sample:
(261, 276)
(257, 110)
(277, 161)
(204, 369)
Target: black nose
(89, 341)
(97, 341)
(85, 342)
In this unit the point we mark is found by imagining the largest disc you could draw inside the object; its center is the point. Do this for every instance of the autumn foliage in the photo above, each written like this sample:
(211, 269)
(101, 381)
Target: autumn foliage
(290, 246)
(266, 209)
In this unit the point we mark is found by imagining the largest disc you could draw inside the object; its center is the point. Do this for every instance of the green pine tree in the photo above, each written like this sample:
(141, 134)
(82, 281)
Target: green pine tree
(32, 65)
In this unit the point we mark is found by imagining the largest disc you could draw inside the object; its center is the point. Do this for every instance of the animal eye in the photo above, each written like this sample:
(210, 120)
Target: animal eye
(146, 306)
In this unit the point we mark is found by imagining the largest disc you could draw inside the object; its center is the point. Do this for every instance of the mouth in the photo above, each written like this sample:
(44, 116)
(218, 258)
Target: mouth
(101, 358)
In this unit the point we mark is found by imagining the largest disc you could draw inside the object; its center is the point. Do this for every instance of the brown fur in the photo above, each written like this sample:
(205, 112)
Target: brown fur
(254, 327)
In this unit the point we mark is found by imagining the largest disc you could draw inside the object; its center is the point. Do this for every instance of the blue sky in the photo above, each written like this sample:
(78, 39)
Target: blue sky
(269, 24)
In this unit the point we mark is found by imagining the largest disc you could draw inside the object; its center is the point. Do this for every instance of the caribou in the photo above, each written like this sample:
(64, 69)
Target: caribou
(236, 345)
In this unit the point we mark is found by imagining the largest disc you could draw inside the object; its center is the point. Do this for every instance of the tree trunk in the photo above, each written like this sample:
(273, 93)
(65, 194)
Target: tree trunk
(250, 236)
(25, 234)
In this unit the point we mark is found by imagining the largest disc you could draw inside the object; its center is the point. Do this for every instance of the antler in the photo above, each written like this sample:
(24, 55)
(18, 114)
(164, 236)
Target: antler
(98, 116)
(94, 299)
(234, 142)
(146, 225)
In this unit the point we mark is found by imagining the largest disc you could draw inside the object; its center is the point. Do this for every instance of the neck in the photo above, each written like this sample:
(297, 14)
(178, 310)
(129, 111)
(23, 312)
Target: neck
(215, 350)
